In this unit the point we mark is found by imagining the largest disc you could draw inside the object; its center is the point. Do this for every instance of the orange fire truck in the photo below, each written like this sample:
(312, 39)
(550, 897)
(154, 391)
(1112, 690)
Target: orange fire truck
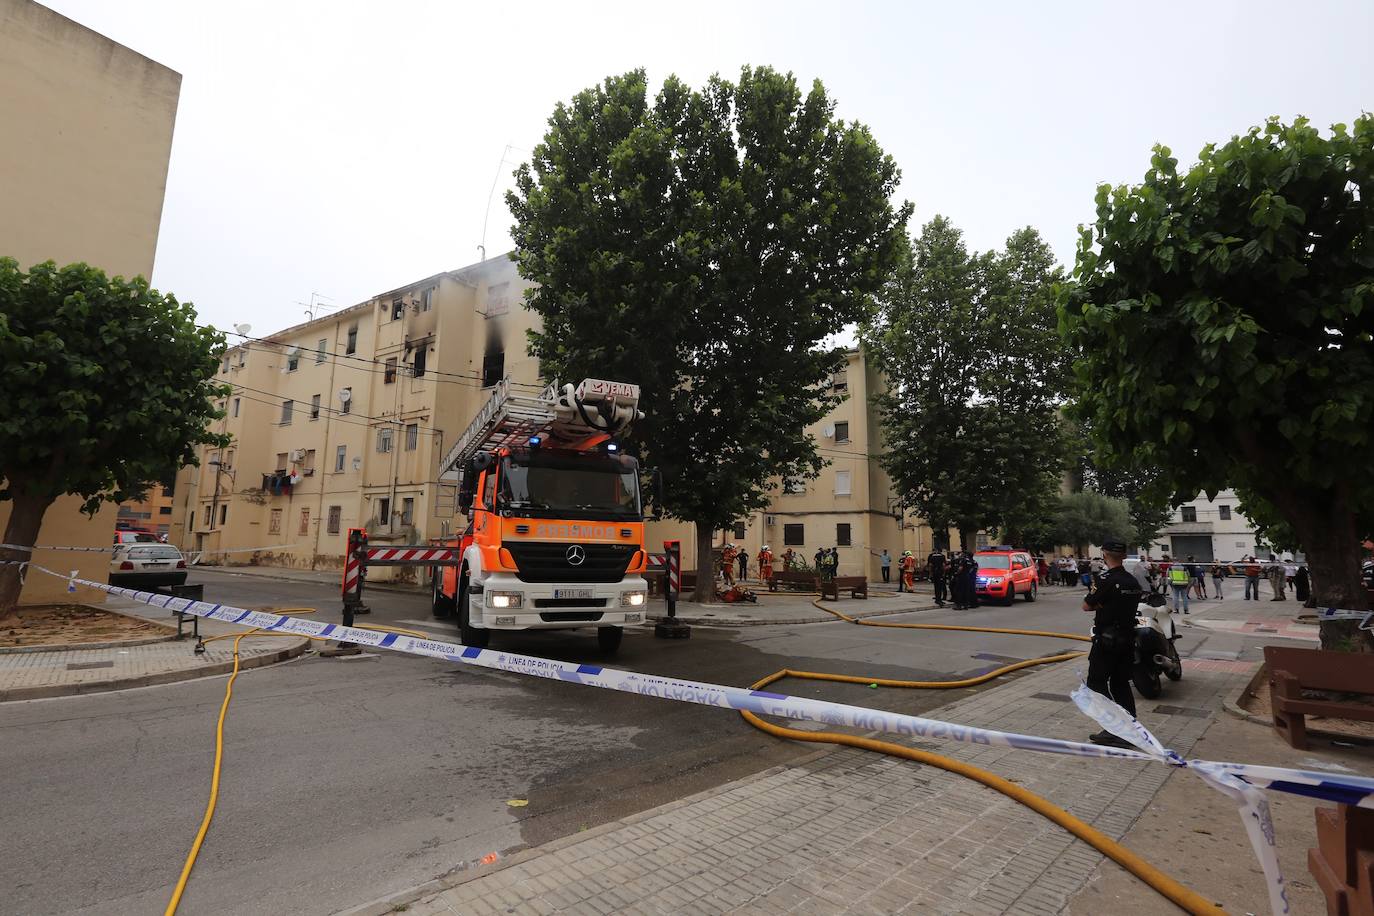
(555, 531)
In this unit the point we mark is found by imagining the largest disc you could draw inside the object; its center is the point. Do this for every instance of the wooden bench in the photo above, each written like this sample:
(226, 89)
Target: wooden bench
(857, 586)
(1291, 670)
(790, 579)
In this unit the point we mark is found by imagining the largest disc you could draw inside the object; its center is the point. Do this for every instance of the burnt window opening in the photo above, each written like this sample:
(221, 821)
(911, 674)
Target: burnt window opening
(493, 368)
(420, 354)
(398, 309)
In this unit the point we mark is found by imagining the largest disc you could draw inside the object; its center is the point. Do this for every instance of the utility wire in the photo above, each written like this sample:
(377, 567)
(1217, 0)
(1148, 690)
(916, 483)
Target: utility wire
(332, 410)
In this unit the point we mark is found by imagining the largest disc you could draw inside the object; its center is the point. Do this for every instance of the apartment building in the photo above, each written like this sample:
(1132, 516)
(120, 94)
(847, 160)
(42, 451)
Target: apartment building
(1210, 529)
(82, 175)
(153, 512)
(340, 422)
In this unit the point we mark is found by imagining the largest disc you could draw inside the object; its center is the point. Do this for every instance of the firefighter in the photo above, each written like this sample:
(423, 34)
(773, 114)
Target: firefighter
(789, 559)
(908, 582)
(727, 564)
(765, 563)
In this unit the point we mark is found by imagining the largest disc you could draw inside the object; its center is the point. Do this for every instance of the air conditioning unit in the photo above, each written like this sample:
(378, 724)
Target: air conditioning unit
(770, 520)
(297, 454)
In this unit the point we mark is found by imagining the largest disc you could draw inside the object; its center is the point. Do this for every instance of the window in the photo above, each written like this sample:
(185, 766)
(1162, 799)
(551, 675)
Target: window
(840, 383)
(1189, 513)
(164, 510)
(236, 407)
(314, 407)
(340, 457)
(335, 517)
(207, 516)
(224, 366)
(352, 340)
(286, 409)
(293, 359)
(842, 534)
(347, 400)
(398, 309)
(842, 432)
(243, 357)
(498, 299)
(281, 462)
(793, 535)
(427, 299)
(220, 406)
(305, 520)
(412, 436)
(489, 492)
(493, 368)
(228, 458)
(384, 510)
(1224, 513)
(793, 485)
(389, 375)
(383, 440)
(739, 531)
(274, 522)
(420, 353)
(223, 513)
(842, 483)
(407, 510)
(321, 349)
(309, 463)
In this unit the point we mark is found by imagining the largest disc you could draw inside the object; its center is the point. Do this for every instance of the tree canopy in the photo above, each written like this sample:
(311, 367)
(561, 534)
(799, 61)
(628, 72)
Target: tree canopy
(108, 385)
(975, 372)
(705, 244)
(1223, 322)
(1086, 517)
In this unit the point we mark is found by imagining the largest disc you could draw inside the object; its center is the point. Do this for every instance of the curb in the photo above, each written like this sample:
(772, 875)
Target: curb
(1231, 702)
(149, 680)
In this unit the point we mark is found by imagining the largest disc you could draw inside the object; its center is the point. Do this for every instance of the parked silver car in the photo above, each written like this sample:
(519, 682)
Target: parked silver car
(147, 566)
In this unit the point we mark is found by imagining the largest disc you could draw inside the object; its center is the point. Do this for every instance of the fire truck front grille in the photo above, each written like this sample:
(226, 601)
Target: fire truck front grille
(554, 562)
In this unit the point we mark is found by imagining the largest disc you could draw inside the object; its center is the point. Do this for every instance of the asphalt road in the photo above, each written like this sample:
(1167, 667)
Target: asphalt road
(345, 780)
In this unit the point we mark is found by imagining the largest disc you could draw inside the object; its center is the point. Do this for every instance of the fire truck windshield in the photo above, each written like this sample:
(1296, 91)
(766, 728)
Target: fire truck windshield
(571, 485)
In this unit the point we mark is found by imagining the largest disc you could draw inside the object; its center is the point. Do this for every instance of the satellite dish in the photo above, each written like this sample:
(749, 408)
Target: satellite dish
(345, 395)
(242, 329)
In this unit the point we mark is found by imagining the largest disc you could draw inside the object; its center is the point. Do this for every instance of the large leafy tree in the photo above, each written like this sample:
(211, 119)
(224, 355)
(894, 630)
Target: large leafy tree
(975, 372)
(1224, 323)
(107, 384)
(1144, 488)
(1087, 517)
(705, 244)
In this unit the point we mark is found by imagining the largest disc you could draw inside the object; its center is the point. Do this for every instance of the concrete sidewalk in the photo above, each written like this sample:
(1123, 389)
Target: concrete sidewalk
(1263, 618)
(849, 831)
(68, 672)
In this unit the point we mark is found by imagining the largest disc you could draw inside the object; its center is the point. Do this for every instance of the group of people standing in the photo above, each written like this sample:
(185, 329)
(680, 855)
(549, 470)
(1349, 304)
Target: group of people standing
(953, 576)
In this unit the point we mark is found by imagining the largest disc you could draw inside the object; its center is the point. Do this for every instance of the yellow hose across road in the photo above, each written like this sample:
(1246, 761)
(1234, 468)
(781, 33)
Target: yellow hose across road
(1186, 899)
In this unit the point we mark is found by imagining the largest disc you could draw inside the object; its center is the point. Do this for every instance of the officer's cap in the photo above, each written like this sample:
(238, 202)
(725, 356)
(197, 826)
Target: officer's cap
(1115, 546)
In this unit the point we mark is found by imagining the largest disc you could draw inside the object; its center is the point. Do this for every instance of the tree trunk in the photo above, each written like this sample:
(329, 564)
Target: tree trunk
(1332, 545)
(26, 517)
(706, 568)
(967, 538)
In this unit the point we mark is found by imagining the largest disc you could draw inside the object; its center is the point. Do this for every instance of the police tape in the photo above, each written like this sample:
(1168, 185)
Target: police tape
(23, 549)
(1366, 618)
(1240, 782)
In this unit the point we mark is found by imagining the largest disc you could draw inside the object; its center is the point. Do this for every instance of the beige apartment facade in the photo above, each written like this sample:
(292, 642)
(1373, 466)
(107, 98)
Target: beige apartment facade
(88, 126)
(341, 422)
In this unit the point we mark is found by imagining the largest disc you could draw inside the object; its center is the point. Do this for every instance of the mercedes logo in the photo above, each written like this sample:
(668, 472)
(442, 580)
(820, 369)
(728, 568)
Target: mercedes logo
(576, 555)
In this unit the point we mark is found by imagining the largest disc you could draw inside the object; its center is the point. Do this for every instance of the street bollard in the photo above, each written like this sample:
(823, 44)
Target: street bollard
(672, 628)
(354, 575)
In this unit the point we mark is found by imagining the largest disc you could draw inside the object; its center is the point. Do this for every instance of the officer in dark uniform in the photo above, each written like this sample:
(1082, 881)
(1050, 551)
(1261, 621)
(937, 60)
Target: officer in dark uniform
(957, 581)
(936, 564)
(970, 580)
(1112, 602)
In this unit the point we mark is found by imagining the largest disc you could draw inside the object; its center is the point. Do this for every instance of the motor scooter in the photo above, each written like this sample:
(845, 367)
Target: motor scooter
(1155, 654)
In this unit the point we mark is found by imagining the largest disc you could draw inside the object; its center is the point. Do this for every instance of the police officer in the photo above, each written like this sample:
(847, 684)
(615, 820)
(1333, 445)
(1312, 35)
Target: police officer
(1112, 602)
(936, 563)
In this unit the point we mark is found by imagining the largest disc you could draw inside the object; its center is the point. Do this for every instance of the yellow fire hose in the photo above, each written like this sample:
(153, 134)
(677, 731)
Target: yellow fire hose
(1186, 899)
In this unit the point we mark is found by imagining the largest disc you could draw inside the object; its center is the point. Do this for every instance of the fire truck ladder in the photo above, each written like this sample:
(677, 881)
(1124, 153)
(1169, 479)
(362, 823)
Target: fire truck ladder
(507, 419)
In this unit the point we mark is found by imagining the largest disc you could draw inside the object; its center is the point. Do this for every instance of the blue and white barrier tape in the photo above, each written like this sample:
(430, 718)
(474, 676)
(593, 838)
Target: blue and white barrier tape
(1241, 782)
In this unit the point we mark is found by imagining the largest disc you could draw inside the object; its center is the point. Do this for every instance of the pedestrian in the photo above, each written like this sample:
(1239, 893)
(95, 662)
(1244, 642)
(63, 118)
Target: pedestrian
(727, 565)
(1218, 573)
(1180, 580)
(1198, 584)
(743, 564)
(765, 564)
(936, 564)
(1042, 570)
(1068, 569)
(1096, 567)
(1252, 577)
(1112, 602)
(1085, 570)
(1302, 584)
(1290, 572)
(885, 564)
(1276, 578)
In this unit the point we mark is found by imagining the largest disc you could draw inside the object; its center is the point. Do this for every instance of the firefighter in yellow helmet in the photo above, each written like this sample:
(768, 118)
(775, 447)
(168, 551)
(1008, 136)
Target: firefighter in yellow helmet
(908, 582)
(766, 563)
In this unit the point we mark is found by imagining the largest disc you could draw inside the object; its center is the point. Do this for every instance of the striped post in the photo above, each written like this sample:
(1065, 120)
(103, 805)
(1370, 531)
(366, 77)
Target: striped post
(672, 628)
(355, 574)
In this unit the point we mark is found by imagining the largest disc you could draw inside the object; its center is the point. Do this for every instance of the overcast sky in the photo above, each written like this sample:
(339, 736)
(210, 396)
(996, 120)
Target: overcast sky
(347, 148)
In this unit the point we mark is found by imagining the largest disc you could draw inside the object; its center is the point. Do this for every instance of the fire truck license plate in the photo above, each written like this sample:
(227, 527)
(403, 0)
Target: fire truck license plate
(572, 593)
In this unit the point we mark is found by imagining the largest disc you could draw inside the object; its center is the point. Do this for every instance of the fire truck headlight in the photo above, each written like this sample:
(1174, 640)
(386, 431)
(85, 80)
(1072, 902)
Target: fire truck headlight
(632, 599)
(505, 599)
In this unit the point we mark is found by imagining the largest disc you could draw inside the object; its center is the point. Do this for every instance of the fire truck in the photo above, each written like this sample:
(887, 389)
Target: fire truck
(555, 525)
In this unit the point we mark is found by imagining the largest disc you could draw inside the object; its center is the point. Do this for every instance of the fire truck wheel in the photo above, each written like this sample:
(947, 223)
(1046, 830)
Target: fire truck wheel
(608, 639)
(476, 637)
